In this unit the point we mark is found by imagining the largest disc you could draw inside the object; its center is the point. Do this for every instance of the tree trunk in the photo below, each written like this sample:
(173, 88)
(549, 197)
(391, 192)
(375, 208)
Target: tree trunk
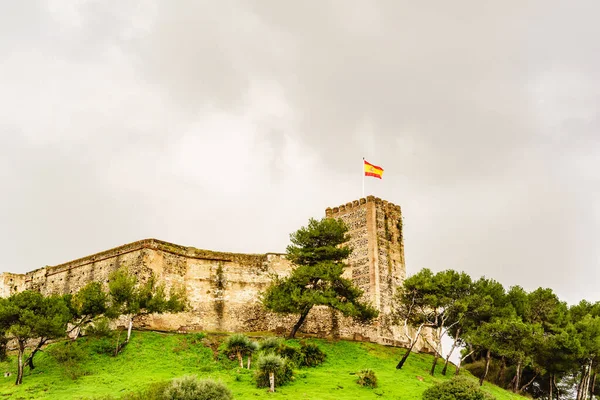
(551, 380)
(593, 385)
(405, 356)
(587, 380)
(272, 381)
(460, 360)
(578, 396)
(488, 357)
(249, 360)
(239, 357)
(451, 351)
(20, 363)
(517, 377)
(458, 367)
(299, 323)
(29, 360)
(501, 373)
(129, 329)
(435, 360)
(581, 387)
(556, 387)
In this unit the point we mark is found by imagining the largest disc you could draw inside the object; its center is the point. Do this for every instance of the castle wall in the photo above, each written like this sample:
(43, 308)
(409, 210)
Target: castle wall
(223, 289)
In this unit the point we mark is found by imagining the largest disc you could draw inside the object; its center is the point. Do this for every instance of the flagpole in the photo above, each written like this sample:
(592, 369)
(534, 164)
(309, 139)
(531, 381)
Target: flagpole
(362, 171)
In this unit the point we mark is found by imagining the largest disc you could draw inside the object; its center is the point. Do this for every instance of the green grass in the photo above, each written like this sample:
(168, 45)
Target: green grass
(153, 357)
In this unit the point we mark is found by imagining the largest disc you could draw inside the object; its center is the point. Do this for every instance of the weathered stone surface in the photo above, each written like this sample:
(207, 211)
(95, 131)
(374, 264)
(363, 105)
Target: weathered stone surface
(224, 288)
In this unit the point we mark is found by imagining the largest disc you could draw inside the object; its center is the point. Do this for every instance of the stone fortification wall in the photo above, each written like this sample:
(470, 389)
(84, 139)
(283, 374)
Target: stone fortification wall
(223, 289)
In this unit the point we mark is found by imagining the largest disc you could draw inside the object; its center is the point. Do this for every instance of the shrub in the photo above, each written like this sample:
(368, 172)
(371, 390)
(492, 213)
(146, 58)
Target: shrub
(367, 378)
(312, 355)
(282, 368)
(196, 338)
(190, 388)
(292, 354)
(155, 391)
(270, 344)
(458, 388)
(103, 346)
(66, 352)
(100, 329)
(237, 344)
(70, 356)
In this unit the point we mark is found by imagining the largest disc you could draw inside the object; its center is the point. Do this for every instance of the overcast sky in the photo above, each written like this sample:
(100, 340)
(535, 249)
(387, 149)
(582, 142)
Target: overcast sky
(227, 125)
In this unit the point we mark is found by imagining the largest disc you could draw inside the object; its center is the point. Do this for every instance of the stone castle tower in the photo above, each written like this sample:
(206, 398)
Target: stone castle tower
(224, 289)
(376, 264)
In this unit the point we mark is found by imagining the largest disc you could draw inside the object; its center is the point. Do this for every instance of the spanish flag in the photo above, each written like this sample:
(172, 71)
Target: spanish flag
(373, 170)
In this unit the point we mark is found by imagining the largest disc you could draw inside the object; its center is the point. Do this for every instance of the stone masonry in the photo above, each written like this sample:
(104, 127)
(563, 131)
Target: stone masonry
(224, 289)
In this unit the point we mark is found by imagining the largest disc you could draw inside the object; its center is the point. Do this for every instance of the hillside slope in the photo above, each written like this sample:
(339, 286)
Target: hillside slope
(153, 357)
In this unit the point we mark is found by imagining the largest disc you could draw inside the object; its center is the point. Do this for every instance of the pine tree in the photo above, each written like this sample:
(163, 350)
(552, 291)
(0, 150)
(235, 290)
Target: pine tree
(318, 253)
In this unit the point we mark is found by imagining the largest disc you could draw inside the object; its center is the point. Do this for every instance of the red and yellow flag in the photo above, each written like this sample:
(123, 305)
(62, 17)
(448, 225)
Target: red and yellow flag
(373, 170)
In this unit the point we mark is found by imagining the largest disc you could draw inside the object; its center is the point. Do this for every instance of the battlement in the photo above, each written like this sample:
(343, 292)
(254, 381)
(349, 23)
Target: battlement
(330, 211)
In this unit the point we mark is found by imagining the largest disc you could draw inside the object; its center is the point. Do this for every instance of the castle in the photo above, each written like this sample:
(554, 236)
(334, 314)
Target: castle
(223, 288)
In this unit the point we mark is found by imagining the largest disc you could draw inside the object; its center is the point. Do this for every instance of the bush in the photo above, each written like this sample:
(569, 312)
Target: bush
(292, 354)
(66, 352)
(236, 344)
(458, 388)
(196, 338)
(103, 346)
(312, 355)
(367, 378)
(284, 371)
(156, 391)
(270, 344)
(70, 356)
(100, 329)
(190, 388)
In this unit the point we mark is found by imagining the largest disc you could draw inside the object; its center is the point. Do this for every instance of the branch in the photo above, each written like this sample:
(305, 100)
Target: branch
(528, 383)
(465, 357)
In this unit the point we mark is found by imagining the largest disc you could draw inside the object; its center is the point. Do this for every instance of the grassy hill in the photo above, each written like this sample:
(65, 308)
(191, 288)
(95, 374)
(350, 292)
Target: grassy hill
(153, 357)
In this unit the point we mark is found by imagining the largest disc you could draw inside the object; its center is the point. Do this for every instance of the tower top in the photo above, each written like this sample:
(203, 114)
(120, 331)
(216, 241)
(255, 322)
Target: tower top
(329, 211)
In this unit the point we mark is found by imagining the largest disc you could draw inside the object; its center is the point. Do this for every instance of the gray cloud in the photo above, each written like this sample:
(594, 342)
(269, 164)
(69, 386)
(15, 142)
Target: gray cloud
(226, 126)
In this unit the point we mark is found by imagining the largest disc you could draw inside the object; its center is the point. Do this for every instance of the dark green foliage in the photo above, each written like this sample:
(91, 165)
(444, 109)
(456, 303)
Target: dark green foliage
(69, 355)
(458, 388)
(236, 343)
(155, 391)
(133, 298)
(318, 253)
(3, 344)
(312, 355)
(320, 241)
(191, 388)
(66, 352)
(283, 369)
(291, 353)
(270, 344)
(185, 388)
(105, 345)
(196, 338)
(129, 297)
(100, 329)
(367, 378)
(89, 301)
(29, 315)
